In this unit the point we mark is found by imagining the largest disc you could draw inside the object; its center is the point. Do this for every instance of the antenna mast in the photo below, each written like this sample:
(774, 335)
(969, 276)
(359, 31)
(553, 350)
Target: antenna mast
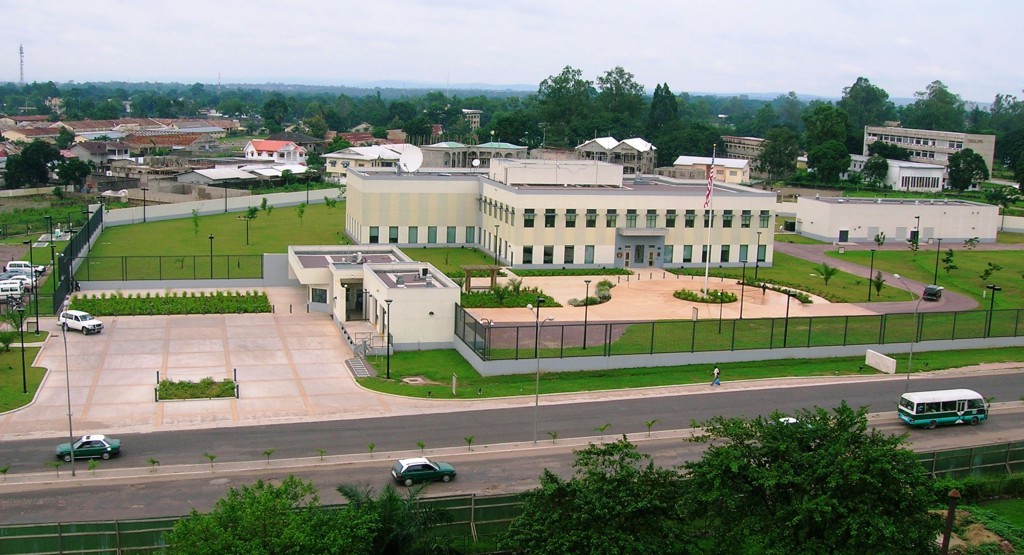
(21, 60)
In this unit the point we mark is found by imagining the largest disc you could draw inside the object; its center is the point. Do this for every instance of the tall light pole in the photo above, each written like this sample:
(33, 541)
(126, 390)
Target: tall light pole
(871, 274)
(743, 285)
(247, 220)
(387, 323)
(917, 229)
(991, 306)
(586, 308)
(785, 329)
(935, 278)
(757, 255)
(53, 250)
(211, 256)
(88, 225)
(536, 355)
(67, 381)
(143, 189)
(21, 327)
(913, 339)
(35, 282)
(495, 244)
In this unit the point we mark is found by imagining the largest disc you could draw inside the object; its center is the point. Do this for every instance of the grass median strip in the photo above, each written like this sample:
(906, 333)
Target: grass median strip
(435, 369)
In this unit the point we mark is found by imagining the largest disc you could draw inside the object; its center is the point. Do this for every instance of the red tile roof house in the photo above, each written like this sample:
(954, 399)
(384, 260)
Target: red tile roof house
(279, 152)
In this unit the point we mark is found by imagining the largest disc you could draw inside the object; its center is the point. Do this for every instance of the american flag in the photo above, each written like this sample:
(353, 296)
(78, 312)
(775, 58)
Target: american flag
(711, 183)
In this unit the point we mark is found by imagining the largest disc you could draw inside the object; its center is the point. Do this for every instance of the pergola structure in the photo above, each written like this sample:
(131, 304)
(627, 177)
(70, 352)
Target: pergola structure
(493, 269)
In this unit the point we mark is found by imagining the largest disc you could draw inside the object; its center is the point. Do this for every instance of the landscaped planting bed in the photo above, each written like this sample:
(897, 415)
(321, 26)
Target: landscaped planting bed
(186, 302)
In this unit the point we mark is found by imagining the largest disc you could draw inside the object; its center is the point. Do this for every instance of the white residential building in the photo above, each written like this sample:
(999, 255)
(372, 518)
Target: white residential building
(278, 152)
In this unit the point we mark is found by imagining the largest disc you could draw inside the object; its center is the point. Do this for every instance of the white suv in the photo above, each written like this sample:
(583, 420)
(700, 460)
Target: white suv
(78, 320)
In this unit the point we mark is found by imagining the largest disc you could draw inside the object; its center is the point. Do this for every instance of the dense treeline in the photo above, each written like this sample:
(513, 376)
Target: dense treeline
(567, 109)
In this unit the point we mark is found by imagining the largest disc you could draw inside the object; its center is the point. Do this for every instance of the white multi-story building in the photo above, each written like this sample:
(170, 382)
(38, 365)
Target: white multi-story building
(932, 147)
(634, 155)
(574, 214)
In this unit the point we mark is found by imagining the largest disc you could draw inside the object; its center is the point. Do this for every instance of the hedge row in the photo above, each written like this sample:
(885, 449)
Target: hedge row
(204, 389)
(218, 302)
(715, 296)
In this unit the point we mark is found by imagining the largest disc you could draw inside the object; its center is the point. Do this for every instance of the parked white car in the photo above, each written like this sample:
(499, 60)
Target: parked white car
(78, 320)
(26, 281)
(22, 267)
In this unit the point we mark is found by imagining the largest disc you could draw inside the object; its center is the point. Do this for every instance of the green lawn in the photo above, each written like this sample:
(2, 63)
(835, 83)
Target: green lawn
(803, 275)
(11, 396)
(797, 239)
(450, 260)
(965, 280)
(1010, 509)
(1007, 238)
(439, 365)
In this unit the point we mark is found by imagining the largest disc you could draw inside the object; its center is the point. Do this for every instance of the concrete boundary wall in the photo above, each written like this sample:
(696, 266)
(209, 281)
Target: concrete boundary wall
(1013, 224)
(158, 212)
(529, 366)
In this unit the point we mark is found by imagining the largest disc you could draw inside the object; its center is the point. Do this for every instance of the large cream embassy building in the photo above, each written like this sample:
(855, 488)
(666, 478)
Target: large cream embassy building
(571, 214)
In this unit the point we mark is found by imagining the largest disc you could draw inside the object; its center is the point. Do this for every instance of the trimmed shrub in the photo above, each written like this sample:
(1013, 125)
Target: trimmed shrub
(715, 296)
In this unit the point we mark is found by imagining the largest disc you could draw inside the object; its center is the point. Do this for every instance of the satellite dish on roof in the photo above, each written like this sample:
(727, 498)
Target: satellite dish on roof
(476, 162)
(411, 159)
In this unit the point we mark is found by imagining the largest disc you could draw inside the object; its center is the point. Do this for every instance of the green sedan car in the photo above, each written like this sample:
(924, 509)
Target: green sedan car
(420, 469)
(90, 447)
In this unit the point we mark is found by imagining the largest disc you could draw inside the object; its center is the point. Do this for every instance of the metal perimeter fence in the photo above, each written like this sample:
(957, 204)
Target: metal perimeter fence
(476, 522)
(191, 266)
(475, 525)
(515, 341)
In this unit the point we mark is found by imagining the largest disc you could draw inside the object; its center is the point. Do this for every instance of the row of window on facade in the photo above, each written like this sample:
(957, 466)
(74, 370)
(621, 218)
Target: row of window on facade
(918, 141)
(653, 218)
(667, 254)
(917, 182)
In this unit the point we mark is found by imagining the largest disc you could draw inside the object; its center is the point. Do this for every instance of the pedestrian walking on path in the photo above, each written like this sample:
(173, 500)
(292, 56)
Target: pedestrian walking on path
(716, 373)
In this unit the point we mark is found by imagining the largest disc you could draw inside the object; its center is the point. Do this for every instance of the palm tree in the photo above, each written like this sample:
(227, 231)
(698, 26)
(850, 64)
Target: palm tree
(827, 272)
(404, 523)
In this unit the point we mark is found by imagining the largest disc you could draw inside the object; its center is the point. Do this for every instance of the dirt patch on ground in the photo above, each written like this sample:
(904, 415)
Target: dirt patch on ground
(10, 252)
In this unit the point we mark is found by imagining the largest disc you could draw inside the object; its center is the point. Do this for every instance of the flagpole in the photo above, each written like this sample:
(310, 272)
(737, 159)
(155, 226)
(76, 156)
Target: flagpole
(709, 198)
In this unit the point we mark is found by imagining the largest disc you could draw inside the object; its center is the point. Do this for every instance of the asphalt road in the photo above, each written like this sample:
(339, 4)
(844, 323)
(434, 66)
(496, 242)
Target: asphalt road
(496, 426)
(485, 470)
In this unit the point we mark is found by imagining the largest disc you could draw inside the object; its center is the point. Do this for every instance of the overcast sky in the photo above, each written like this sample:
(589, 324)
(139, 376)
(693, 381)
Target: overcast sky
(811, 47)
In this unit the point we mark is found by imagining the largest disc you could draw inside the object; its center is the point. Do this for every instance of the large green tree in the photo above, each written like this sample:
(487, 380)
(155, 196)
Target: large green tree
(935, 108)
(889, 151)
(274, 112)
(828, 161)
(620, 104)
(824, 484)
(824, 122)
(73, 171)
(403, 525)
(263, 518)
(865, 104)
(617, 502)
(966, 169)
(564, 104)
(65, 138)
(876, 168)
(779, 153)
(664, 109)
(32, 167)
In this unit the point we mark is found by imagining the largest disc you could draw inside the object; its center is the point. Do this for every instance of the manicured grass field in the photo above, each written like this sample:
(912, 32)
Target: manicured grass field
(965, 280)
(439, 365)
(1007, 238)
(803, 275)
(11, 396)
(1010, 509)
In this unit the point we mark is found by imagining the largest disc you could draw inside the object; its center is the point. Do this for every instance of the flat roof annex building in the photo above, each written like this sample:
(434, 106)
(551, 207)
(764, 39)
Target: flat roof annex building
(571, 214)
(859, 220)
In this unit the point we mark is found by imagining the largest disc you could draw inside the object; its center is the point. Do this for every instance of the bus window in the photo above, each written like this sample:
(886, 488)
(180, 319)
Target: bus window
(948, 406)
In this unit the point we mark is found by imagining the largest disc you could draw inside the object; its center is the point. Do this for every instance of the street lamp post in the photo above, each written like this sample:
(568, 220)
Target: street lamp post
(785, 329)
(871, 274)
(495, 244)
(225, 199)
(88, 225)
(913, 339)
(917, 229)
(991, 306)
(586, 308)
(35, 282)
(21, 327)
(387, 323)
(211, 256)
(536, 355)
(143, 189)
(67, 382)
(743, 285)
(247, 220)
(53, 249)
(757, 255)
(935, 277)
